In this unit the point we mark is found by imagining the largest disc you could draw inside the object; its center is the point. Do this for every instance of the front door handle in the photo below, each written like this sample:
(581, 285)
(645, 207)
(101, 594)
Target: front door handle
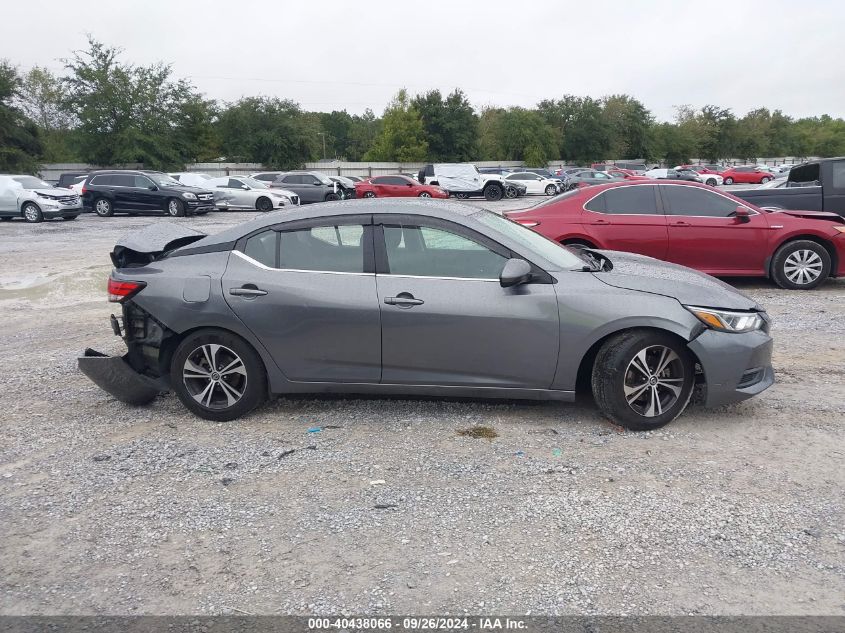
(681, 223)
(599, 222)
(247, 290)
(403, 300)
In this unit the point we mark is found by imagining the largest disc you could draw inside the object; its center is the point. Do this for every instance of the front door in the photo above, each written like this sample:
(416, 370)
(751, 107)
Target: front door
(445, 318)
(705, 234)
(627, 218)
(308, 293)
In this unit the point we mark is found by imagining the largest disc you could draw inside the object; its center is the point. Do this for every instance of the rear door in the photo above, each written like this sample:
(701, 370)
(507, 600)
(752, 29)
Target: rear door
(125, 198)
(627, 218)
(833, 176)
(445, 318)
(705, 234)
(308, 292)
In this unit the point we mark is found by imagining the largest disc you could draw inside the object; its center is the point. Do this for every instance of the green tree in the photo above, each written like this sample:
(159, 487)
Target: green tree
(451, 125)
(41, 99)
(20, 145)
(402, 136)
(629, 122)
(271, 131)
(524, 135)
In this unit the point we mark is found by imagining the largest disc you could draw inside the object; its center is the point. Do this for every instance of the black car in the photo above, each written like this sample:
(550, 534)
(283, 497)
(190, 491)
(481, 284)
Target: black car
(142, 192)
(69, 178)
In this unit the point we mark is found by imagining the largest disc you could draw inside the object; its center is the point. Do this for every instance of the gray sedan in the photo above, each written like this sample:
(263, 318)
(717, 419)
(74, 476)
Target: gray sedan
(243, 192)
(420, 298)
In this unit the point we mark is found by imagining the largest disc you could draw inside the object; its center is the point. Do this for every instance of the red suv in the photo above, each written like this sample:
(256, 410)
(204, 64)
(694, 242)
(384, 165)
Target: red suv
(694, 225)
(749, 175)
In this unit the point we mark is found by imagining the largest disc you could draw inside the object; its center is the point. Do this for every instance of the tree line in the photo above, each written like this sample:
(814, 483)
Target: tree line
(104, 110)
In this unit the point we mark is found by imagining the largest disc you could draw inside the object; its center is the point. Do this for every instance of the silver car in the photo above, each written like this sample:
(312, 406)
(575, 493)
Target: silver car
(34, 200)
(420, 298)
(243, 192)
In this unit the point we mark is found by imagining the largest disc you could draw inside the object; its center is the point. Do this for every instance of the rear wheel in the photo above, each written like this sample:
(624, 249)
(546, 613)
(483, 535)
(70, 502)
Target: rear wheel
(217, 375)
(424, 194)
(103, 208)
(642, 379)
(729, 181)
(493, 192)
(711, 182)
(764, 180)
(551, 190)
(332, 196)
(175, 208)
(32, 213)
(800, 265)
(264, 204)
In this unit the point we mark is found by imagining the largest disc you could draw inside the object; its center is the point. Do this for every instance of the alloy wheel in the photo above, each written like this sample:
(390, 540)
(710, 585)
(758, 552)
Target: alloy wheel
(654, 380)
(369, 194)
(31, 213)
(425, 194)
(102, 207)
(803, 267)
(173, 208)
(214, 376)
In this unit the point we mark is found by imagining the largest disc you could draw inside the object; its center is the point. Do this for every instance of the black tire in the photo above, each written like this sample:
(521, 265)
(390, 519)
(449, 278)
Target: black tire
(175, 208)
(424, 194)
(103, 207)
(6, 218)
(369, 194)
(551, 190)
(711, 182)
(493, 192)
(462, 196)
(31, 212)
(264, 204)
(251, 384)
(801, 261)
(68, 218)
(654, 402)
(331, 197)
(764, 180)
(729, 181)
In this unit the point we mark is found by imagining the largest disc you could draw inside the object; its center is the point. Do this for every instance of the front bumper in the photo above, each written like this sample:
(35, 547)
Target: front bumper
(114, 375)
(736, 366)
(60, 211)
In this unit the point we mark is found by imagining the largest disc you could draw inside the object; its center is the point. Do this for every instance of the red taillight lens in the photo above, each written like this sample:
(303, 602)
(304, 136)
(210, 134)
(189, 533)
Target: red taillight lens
(122, 290)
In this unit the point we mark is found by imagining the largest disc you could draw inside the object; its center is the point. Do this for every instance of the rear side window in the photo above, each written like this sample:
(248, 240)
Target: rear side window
(694, 201)
(262, 248)
(636, 200)
(123, 180)
(323, 249)
(102, 180)
(292, 180)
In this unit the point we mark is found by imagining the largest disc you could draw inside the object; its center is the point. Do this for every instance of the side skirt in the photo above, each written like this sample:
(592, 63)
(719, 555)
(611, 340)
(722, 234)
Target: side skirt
(429, 390)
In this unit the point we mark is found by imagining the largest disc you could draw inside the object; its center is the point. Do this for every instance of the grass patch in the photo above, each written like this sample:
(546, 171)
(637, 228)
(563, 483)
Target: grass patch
(484, 432)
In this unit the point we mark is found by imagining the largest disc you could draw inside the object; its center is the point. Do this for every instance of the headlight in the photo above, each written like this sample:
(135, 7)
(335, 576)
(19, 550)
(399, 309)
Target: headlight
(189, 196)
(728, 321)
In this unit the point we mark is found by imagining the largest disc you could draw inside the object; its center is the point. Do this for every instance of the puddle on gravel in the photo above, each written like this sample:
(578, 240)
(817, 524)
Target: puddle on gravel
(55, 287)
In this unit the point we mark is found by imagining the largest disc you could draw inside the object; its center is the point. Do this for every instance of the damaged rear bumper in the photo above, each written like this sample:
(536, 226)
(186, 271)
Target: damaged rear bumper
(114, 375)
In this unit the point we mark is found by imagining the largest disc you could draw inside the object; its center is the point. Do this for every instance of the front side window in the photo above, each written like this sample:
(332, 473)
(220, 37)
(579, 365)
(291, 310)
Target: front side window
(435, 252)
(142, 182)
(323, 248)
(634, 200)
(694, 201)
(234, 184)
(293, 179)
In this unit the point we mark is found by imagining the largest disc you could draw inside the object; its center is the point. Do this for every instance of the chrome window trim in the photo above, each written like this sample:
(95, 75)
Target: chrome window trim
(665, 215)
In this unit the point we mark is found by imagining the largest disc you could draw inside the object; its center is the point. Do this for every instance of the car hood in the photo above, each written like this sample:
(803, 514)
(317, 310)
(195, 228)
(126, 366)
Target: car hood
(190, 188)
(52, 191)
(690, 287)
(282, 192)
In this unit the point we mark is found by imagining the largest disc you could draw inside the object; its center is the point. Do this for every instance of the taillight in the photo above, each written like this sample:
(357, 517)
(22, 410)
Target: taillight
(82, 190)
(121, 290)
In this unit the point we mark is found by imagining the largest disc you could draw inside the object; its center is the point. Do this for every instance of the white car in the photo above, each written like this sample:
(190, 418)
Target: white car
(76, 186)
(243, 192)
(34, 200)
(191, 178)
(535, 183)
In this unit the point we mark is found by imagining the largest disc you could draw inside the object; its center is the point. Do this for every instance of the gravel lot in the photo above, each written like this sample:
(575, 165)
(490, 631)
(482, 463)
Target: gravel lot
(109, 509)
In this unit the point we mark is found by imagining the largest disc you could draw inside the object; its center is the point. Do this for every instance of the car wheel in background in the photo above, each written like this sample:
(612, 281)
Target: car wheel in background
(31, 212)
(369, 194)
(217, 375)
(493, 192)
(711, 182)
(511, 192)
(424, 194)
(551, 190)
(175, 208)
(264, 204)
(764, 180)
(103, 208)
(800, 265)
(332, 196)
(642, 379)
(729, 181)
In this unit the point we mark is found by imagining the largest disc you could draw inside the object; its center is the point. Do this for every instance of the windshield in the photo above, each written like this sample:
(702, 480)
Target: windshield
(163, 180)
(31, 182)
(558, 255)
(255, 184)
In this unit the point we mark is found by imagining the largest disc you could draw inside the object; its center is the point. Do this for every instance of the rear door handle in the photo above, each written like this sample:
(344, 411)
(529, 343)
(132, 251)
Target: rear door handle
(247, 290)
(599, 222)
(403, 300)
(681, 223)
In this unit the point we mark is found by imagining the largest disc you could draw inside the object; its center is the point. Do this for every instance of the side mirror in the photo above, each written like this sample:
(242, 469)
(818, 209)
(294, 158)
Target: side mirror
(515, 272)
(742, 215)
(245, 187)
(409, 184)
(152, 188)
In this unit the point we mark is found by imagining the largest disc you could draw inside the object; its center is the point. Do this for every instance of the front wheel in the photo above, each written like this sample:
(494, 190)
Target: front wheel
(711, 182)
(332, 196)
(31, 212)
(800, 265)
(764, 180)
(369, 194)
(103, 208)
(217, 375)
(642, 379)
(729, 181)
(492, 193)
(424, 194)
(264, 204)
(175, 208)
(551, 190)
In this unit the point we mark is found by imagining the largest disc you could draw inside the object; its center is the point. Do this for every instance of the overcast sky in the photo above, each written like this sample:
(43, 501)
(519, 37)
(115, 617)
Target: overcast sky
(330, 54)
